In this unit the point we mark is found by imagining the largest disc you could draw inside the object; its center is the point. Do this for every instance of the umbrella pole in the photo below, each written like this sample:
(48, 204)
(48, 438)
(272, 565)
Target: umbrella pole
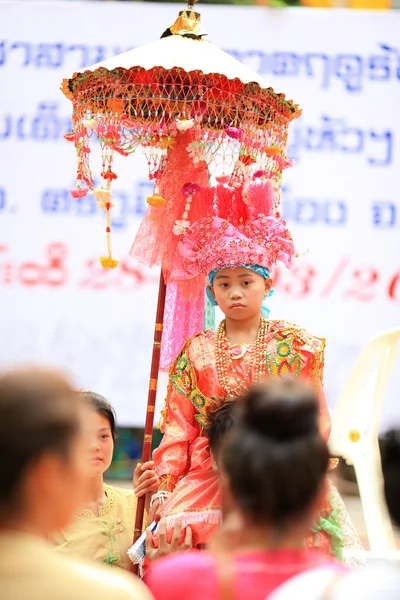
(151, 402)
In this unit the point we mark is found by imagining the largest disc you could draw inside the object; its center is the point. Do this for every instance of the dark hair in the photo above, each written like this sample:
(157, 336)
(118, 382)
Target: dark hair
(220, 421)
(100, 405)
(391, 473)
(38, 413)
(275, 457)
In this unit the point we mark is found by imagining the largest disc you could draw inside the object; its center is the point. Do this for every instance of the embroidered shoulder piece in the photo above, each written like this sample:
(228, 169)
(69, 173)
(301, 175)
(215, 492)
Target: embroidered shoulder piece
(183, 378)
(284, 360)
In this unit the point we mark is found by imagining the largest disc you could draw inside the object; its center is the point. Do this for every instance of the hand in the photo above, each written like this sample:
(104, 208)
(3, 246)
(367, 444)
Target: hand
(154, 511)
(165, 548)
(145, 479)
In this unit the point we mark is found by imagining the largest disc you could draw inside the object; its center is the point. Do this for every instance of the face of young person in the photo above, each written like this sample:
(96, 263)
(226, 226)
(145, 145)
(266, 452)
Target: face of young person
(240, 292)
(102, 444)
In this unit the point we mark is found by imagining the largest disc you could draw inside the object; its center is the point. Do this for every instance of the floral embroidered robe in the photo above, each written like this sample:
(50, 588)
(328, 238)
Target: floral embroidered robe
(183, 459)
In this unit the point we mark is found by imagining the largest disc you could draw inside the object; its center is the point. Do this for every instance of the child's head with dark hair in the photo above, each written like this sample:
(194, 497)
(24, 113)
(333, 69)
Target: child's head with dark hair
(274, 460)
(391, 473)
(220, 421)
(101, 406)
(104, 432)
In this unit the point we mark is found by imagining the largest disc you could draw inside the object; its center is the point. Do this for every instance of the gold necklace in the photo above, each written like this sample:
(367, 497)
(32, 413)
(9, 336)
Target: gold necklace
(224, 359)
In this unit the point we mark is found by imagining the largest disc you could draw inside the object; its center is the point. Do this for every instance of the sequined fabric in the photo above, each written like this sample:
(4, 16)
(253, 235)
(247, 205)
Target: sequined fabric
(183, 318)
(183, 460)
(155, 243)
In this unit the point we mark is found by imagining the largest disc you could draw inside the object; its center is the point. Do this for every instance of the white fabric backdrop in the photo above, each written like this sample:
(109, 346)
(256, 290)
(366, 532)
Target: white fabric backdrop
(341, 198)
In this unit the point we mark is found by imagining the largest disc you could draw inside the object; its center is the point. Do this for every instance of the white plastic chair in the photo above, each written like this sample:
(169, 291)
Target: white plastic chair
(355, 428)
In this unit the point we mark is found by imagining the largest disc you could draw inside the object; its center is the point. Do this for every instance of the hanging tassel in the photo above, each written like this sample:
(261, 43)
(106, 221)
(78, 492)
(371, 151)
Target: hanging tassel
(108, 262)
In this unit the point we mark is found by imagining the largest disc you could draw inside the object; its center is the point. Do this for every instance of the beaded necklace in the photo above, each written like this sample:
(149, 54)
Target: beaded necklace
(225, 358)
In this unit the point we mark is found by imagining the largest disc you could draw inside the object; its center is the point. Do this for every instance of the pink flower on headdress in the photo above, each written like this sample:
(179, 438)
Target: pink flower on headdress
(190, 188)
(234, 132)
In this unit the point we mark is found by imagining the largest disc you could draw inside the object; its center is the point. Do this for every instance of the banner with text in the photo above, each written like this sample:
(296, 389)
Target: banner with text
(341, 199)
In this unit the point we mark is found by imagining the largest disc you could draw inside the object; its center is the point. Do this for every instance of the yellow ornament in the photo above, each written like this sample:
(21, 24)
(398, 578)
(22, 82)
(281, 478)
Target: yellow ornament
(108, 263)
(101, 194)
(354, 435)
(156, 201)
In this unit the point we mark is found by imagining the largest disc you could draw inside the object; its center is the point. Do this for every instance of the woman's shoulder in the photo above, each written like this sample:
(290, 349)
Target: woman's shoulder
(298, 335)
(119, 495)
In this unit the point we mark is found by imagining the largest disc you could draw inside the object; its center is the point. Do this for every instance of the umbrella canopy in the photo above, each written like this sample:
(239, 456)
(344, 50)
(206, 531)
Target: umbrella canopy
(144, 96)
(187, 103)
(186, 53)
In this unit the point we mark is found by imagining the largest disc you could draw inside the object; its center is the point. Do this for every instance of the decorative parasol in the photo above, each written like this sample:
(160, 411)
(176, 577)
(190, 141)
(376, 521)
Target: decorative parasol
(198, 114)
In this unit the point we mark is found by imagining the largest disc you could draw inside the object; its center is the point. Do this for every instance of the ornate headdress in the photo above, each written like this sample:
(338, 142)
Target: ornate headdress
(242, 227)
(229, 224)
(219, 226)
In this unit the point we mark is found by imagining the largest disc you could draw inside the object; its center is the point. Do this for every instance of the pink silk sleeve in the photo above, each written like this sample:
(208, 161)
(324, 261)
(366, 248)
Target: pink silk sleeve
(180, 428)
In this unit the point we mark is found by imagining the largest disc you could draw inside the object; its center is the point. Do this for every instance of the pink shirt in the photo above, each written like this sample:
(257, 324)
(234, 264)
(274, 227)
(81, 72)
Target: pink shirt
(194, 575)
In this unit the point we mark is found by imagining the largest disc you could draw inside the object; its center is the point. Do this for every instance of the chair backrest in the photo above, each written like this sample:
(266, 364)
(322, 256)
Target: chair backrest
(358, 409)
(355, 429)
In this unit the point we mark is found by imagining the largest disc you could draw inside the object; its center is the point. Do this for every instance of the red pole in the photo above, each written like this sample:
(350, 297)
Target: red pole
(151, 402)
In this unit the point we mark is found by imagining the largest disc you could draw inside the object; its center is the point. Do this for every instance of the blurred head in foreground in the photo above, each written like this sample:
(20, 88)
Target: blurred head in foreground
(43, 450)
(274, 460)
(220, 422)
(391, 473)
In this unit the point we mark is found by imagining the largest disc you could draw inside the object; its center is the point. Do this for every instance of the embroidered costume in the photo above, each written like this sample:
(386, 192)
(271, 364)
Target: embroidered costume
(242, 229)
(105, 537)
(183, 459)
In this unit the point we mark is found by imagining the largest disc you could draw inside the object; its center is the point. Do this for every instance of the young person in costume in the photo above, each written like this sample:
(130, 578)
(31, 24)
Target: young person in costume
(103, 527)
(235, 246)
(273, 466)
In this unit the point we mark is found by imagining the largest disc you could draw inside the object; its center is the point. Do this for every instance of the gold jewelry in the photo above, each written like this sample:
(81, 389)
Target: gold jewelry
(256, 354)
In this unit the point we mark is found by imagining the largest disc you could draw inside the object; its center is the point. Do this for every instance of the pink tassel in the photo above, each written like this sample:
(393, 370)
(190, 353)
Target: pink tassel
(260, 199)
(204, 201)
(230, 204)
(78, 193)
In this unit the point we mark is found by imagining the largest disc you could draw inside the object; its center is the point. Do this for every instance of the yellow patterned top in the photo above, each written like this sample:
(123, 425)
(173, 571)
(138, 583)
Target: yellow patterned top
(30, 569)
(105, 537)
